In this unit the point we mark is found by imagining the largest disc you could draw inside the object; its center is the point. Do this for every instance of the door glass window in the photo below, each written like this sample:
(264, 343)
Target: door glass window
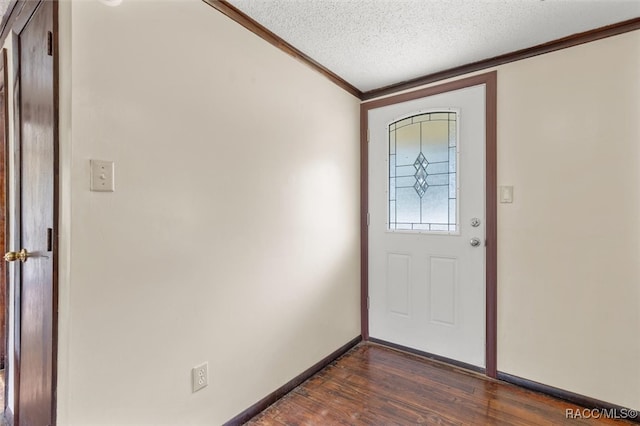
(423, 169)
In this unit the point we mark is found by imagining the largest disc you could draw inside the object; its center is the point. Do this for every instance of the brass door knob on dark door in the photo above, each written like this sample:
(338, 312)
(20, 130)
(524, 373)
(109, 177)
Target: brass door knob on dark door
(21, 255)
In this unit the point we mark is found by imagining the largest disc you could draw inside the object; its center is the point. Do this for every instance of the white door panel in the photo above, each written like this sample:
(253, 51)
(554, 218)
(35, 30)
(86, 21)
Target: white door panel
(427, 288)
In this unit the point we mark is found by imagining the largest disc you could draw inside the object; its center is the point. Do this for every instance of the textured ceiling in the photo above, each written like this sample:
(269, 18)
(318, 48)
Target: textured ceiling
(375, 43)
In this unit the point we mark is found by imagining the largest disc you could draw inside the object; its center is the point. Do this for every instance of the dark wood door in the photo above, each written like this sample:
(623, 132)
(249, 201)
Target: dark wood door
(36, 364)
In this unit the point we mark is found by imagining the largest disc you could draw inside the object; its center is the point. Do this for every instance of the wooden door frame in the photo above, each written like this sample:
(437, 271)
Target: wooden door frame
(15, 22)
(4, 201)
(491, 191)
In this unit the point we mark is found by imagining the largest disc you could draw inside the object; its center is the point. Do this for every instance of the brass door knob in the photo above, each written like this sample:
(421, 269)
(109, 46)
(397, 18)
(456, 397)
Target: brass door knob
(21, 255)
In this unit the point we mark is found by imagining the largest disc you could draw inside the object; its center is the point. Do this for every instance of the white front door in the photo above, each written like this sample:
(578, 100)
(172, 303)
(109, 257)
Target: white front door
(427, 224)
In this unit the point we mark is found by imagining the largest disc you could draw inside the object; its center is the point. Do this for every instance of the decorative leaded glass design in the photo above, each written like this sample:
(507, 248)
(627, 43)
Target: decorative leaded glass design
(422, 172)
(421, 175)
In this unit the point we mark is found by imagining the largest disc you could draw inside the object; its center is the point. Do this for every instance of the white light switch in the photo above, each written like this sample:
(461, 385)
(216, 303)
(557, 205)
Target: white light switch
(102, 176)
(506, 194)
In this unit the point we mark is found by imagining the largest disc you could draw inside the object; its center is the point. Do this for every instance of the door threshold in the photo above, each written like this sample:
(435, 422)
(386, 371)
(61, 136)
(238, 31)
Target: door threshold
(432, 357)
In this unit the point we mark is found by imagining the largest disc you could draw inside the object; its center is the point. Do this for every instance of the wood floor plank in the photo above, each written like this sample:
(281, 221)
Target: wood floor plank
(376, 385)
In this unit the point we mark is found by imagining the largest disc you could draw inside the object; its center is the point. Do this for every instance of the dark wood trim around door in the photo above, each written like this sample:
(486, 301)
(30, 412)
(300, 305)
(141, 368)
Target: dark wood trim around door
(4, 201)
(56, 205)
(364, 220)
(21, 11)
(490, 82)
(14, 212)
(7, 14)
(241, 18)
(491, 215)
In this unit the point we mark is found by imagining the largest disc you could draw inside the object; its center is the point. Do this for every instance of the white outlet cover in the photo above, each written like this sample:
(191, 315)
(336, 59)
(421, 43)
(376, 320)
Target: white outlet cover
(199, 377)
(102, 176)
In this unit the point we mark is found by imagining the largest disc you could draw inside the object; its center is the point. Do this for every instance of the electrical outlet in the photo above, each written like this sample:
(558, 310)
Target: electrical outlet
(200, 377)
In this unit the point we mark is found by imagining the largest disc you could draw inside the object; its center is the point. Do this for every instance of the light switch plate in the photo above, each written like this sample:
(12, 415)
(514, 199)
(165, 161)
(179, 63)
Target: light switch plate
(506, 194)
(102, 176)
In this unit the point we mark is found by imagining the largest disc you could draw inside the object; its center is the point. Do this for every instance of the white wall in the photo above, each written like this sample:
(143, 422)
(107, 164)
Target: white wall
(233, 234)
(569, 245)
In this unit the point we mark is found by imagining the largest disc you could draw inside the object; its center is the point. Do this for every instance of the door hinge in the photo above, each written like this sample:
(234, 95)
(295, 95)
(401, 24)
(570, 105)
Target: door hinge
(367, 135)
(368, 219)
(367, 303)
(49, 239)
(49, 43)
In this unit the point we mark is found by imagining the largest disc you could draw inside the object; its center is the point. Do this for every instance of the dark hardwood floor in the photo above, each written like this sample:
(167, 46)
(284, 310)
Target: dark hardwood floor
(376, 385)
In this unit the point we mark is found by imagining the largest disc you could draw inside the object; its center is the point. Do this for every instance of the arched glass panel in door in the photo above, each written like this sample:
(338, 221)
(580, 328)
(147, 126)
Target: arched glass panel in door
(423, 169)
